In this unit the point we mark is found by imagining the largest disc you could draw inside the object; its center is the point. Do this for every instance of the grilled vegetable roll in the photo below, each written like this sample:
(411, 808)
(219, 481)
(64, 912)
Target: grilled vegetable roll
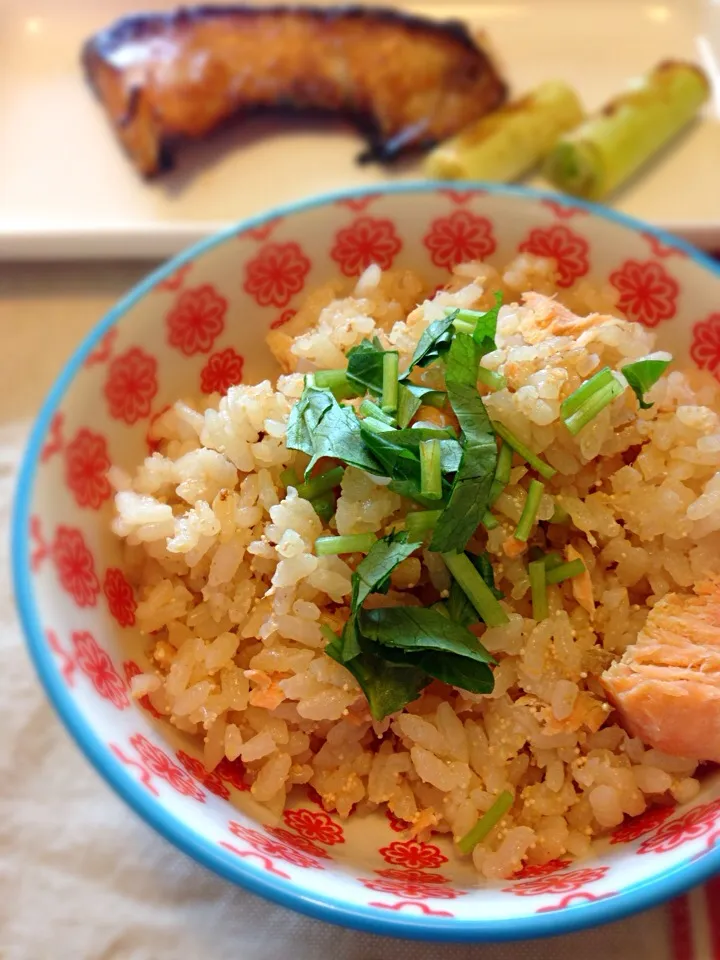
(607, 149)
(509, 142)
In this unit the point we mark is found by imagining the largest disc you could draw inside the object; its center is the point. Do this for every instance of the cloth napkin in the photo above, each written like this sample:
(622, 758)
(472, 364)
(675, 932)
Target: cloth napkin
(82, 878)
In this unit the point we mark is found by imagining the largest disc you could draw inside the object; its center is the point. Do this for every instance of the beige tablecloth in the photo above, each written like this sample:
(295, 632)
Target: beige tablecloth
(81, 877)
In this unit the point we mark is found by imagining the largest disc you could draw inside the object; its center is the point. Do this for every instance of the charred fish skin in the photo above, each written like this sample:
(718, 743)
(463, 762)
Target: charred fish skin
(404, 81)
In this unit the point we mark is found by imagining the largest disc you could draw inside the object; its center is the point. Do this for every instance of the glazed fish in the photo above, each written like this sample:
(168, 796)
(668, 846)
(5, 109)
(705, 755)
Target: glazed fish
(406, 82)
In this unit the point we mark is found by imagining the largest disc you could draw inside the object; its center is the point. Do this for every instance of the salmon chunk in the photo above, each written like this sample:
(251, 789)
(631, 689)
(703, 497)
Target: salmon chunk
(667, 684)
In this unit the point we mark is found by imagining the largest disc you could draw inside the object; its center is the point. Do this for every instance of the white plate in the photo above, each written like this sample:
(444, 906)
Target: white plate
(67, 190)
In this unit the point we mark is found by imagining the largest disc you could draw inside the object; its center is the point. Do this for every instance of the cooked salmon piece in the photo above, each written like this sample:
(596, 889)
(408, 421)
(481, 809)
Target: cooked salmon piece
(406, 82)
(666, 687)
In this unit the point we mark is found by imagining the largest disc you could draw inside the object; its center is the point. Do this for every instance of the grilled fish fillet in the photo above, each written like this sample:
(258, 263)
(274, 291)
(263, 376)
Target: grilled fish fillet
(666, 687)
(405, 81)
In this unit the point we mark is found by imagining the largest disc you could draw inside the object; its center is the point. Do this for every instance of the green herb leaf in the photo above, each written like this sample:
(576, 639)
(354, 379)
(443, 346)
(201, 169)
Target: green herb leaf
(450, 449)
(434, 343)
(320, 427)
(645, 373)
(486, 326)
(388, 686)
(440, 647)
(377, 566)
(470, 495)
(365, 365)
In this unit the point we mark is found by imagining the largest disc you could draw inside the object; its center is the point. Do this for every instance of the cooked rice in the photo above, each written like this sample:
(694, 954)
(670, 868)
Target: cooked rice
(233, 595)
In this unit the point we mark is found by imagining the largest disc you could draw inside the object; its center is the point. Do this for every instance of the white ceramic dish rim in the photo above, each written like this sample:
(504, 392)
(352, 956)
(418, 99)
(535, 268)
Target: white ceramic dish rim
(634, 898)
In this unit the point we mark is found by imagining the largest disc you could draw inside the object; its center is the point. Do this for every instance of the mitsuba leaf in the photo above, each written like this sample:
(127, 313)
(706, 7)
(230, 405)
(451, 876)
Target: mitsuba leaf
(470, 495)
(374, 569)
(486, 327)
(320, 427)
(365, 365)
(434, 343)
(388, 687)
(645, 373)
(438, 646)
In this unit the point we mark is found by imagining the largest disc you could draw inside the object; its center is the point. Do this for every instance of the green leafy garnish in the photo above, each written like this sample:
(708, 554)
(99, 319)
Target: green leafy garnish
(390, 382)
(590, 398)
(470, 493)
(350, 543)
(459, 607)
(320, 427)
(424, 634)
(435, 341)
(365, 366)
(377, 566)
(486, 822)
(537, 573)
(564, 571)
(478, 592)
(536, 462)
(530, 509)
(365, 372)
(645, 373)
(387, 686)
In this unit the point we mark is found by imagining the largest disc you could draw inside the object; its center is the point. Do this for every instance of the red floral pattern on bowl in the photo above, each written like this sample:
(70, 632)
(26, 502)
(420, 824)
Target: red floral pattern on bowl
(196, 320)
(131, 385)
(75, 566)
(276, 274)
(222, 371)
(705, 349)
(203, 328)
(458, 238)
(364, 242)
(647, 291)
(87, 464)
(569, 251)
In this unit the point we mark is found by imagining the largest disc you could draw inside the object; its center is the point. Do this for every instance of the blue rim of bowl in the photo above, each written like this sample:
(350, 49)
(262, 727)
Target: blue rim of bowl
(637, 897)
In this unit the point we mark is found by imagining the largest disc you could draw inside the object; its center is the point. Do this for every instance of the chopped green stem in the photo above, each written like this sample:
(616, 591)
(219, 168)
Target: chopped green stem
(489, 521)
(552, 560)
(430, 473)
(560, 514)
(370, 409)
(491, 379)
(316, 486)
(421, 522)
(486, 822)
(544, 469)
(475, 589)
(463, 326)
(538, 589)
(577, 398)
(564, 571)
(328, 633)
(502, 472)
(529, 513)
(352, 543)
(390, 382)
(336, 381)
(324, 505)
(593, 405)
(377, 426)
(289, 478)
(441, 607)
